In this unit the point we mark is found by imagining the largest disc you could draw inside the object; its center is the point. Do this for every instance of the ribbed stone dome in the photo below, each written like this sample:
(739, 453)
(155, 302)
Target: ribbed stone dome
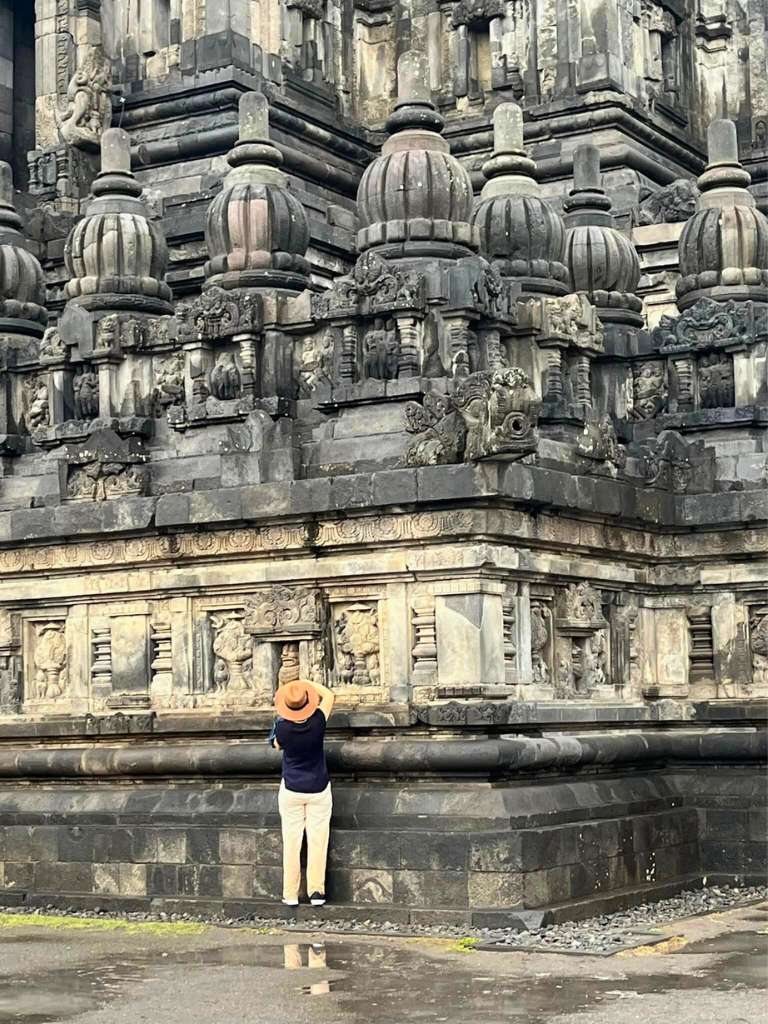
(724, 245)
(416, 198)
(520, 233)
(115, 251)
(257, 231)
(603, 262)
(22, 285)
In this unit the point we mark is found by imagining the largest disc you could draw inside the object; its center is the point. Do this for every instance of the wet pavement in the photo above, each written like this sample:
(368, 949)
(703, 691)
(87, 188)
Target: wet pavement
(713, 968)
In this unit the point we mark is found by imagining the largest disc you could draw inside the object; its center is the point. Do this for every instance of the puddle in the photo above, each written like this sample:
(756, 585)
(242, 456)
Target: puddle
(357, 982)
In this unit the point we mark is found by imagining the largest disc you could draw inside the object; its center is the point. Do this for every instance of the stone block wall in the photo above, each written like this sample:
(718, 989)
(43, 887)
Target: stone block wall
(401, 852)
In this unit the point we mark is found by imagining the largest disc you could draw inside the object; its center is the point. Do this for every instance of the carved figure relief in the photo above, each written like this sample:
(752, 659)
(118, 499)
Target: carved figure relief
(52, 348)
(716, 389)
(316, 362)
(649, 390)
(169, 380)
(758, 644)
(225, 382)
(357, 645)
(36, 414)
(439, 428)
(50, 661)
(89, 106)
(85, 387)
(381, 351)
(673, 462)
(11, 685)
(373, 286)
(581, 603)
(541, 623)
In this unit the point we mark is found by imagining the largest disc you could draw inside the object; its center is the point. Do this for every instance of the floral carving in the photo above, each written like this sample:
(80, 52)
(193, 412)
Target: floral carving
(649, 389)
(233, 649)
(285, 610)
(357, 645)
(50, 661)
(89, 106)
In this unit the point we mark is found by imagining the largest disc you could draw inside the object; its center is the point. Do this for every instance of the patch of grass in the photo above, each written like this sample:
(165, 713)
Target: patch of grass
(463, 945)
(54, 921)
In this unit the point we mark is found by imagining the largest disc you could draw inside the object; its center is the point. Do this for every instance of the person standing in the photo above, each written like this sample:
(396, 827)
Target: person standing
(304, 800)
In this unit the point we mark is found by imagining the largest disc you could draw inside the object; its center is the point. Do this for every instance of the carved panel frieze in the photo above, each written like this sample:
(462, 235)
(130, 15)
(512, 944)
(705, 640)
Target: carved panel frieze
(46, 661)
(285, 611)
(218, 313)
(709, 324)
(373, 287)
(105, 466)
(11, 680)
(88, 112)
(649, 390)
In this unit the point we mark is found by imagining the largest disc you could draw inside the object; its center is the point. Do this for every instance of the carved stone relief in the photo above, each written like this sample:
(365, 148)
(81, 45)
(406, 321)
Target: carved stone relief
(85, 386)
(649, 389)
(541, 639)
(600, 445)
(758, 645)
(715, 374)
(11, 680)
(36, 408)
(89, 104)
(669, 205)
(105, 466)
(49, 659)
(356, 643)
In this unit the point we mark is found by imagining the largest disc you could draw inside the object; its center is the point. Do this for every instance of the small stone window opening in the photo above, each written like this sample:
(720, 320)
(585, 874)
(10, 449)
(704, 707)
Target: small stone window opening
(479, 59)
(701, 650)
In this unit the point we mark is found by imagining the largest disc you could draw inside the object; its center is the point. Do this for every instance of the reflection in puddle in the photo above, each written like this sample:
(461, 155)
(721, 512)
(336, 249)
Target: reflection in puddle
(364, 981)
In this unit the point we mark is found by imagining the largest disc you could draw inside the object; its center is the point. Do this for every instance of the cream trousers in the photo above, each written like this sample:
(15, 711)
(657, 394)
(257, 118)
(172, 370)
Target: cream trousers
(300, 812)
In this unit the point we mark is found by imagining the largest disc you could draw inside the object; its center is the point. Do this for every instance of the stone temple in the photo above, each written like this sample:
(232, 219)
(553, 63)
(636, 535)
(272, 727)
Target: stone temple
(419, 347)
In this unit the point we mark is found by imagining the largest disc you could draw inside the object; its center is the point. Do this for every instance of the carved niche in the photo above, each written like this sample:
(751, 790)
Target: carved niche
(105, 466)
(233, 652)
(715, 378)
(582, 643)
(219, 313)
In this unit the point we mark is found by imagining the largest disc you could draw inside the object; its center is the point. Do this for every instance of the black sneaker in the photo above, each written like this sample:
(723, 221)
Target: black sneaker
(317, 899)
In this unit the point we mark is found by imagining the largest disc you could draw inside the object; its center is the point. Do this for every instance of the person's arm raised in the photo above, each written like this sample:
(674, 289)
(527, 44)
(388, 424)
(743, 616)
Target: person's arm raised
(327, 698)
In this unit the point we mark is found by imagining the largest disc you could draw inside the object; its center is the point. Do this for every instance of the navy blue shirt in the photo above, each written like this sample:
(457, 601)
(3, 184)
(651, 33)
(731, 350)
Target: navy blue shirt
(304, 767)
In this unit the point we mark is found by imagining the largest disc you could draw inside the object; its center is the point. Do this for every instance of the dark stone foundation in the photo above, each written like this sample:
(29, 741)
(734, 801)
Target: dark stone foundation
(591, 824)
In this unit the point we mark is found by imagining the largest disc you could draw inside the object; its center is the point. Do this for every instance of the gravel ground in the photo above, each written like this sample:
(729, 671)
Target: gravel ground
(604, 934)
